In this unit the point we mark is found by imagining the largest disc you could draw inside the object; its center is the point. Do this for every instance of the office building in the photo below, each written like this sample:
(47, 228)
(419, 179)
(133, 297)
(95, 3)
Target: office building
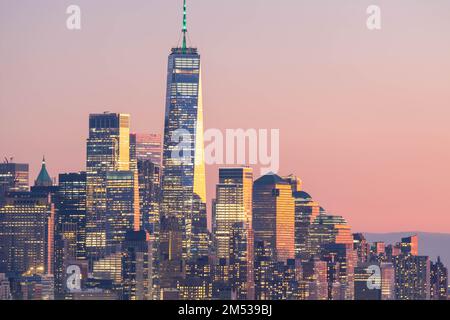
(274, 214)
(438, 280)
(410, 245)
(13, 177)
(149, 147)
(412, 277)
(108, 150)
(183, 186)
(26, 233)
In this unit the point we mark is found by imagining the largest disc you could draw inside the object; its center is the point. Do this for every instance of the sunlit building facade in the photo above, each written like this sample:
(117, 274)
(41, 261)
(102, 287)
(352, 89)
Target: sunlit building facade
(274, 215)
(233, 205)
(410, 245)
(108, 149)
(328, 229)
(183, 185)
(233, 235)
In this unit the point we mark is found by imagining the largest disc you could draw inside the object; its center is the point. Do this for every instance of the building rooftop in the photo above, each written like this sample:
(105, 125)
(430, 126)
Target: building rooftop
(43, 179)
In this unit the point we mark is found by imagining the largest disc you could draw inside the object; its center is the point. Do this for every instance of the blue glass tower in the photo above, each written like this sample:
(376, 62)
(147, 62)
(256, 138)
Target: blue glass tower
(183, 214)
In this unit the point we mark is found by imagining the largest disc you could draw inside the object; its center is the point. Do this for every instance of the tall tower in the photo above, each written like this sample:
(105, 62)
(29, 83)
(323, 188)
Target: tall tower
(274, 215)
(183, 216)
(233, 205)
(233, 232)
(108, 150)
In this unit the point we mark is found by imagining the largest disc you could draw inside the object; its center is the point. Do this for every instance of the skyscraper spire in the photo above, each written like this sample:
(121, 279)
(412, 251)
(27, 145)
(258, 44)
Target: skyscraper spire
(184, 26)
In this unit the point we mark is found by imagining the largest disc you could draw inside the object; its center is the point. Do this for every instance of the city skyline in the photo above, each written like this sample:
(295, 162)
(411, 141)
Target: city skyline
(132, 224)
(401, 155)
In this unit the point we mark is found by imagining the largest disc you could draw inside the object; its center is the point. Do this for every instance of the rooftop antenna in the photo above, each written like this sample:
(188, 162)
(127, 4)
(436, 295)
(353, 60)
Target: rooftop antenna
(184, 30)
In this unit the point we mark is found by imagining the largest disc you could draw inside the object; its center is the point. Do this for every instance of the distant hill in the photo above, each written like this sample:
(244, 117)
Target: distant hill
(430, 244)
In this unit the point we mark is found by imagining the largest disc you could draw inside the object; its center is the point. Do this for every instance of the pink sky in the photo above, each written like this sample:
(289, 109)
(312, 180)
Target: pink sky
(363, 116)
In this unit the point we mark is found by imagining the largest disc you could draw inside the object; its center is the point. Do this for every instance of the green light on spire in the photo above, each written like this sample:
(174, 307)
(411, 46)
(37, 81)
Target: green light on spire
(184, 26)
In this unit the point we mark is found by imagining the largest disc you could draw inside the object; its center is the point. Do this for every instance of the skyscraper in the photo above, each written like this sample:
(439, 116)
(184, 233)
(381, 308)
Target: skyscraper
(120, 211)
(108, 149)
(306, 211)
(71, 211)
(70, 225)
(328, 229)
(412, 277)
(233, 234)
(26, 233)
(439, 280)
(134, 169)
(273, 215)
(149, 147)
(233, 205)
(149, 176)
(410, 245)
(13, 177)
(137, 267)
(183, 224)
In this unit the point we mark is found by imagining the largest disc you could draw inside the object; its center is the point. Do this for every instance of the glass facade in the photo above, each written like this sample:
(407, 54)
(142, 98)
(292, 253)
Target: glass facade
(233, 232)
(13, 177)
(108, 149)
(24, 233)
(412, 277)
(273, 215)
(184, 230)
(306, 211)
(149, 147)
(120, 213)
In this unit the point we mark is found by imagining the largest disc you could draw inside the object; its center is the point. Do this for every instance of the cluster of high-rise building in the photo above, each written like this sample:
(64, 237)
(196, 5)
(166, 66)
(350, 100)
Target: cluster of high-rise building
(133, 225)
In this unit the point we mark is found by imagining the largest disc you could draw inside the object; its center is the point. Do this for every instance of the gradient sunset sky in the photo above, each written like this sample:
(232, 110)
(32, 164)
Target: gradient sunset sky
(364, 116)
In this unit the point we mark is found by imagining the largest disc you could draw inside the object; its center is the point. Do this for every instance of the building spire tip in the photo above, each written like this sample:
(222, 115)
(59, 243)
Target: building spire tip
(184, 30)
